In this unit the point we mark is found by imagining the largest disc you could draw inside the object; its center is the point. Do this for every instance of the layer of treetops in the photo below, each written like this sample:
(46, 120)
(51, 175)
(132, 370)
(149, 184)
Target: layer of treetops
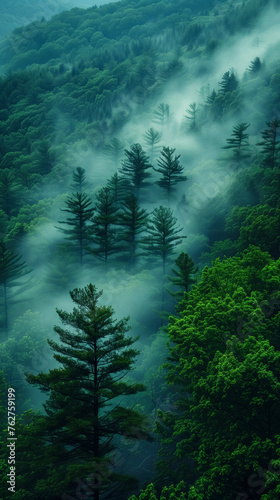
(140, 253)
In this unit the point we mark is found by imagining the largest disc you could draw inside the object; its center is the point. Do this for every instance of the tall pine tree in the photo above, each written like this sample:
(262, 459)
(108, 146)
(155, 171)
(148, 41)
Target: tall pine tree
(102, 230)
(84, 409)
(238, 142)
(170, 168)
(162, 235)
(80, 207)
(136, 166)
(12, 270)
(133, 220)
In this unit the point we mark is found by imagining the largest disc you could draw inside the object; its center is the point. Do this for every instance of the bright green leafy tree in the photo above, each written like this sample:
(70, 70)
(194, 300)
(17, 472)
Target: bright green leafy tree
(224, 354)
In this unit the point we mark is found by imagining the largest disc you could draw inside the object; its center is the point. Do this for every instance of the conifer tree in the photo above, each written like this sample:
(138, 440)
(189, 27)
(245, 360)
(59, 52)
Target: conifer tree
(9, 192)
(270, 143)
(162, 114)
(133, 220)
(136, 166)
(79, 180)
(79, 205)
(152, 137)
(84, 409)
(183, 275)
(102, 231)
(12, 269)
(118, 186)
(191, 115)
(170, 168)
(255, 65)
(211, 98)
(229, 82)
(239, 142)
(114, 150)
(163, 235)
(45, 159)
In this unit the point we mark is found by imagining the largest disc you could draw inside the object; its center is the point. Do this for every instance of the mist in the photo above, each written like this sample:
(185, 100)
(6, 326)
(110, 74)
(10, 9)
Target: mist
(200, 204)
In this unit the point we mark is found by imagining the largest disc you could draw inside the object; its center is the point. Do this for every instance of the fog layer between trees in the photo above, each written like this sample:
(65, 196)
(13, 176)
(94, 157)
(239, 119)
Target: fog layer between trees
(140, 157)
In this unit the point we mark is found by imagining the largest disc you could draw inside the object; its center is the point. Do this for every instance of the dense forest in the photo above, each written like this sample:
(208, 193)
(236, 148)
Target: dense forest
(23, 12)
(140, 250)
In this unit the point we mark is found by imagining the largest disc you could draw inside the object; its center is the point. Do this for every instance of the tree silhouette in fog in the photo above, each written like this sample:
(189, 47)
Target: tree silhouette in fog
(170, 169)
(12, 270)
(133, 220)
(80, 207)
(162, 235)
(103, 235)
(270, 143)
(136, 166)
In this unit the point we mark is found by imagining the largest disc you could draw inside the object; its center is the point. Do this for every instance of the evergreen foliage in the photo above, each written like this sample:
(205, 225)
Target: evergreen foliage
(79, 182)
(239, 142)
(162, 235)
(162, 114)
(152, 137)
(12, 269)
(228, 83)
(183, 275)
(191, 115)
(136, 166)
(270, 143)
(133, 220)
(79, 205)
(83, 410)
(255, 65)
(170, 168)
(102, 232)
(78, 90)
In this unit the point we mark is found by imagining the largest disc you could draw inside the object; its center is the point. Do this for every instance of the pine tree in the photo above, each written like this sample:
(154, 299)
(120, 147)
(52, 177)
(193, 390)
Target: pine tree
(239, 142)
(162, 114)
(84, 411)
(102, 232)
(79, 205)
(114, 150)
(270, 143)
(45, 159)
(191, 115)
(9, 192)
(152, 137)
(163, 235)
(133, 219)
(255, 65)
(183, 275)
(229, 82)
(118, 186)
(211, 98)
(136, 166)
(79, 180)
(12, 269)
(170, 168)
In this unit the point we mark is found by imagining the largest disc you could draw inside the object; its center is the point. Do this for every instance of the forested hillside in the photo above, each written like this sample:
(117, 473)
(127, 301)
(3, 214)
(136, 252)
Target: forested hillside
(23, 12)
(140, 252)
